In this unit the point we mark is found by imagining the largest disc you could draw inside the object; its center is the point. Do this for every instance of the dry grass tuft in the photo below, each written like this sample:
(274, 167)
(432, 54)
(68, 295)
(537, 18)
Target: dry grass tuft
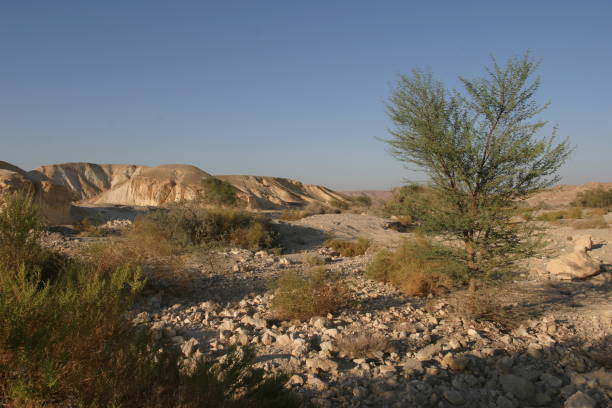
(483, 304)
(590, 223)
(315, 293)
(313, 260)
(572, 213)
(362, 344)
(418, 268)
(348, 248)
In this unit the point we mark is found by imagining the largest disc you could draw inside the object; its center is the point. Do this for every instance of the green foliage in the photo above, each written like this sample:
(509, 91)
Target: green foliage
(566, 214)
(482, 153)
(363, 200)
(316, 293)
(218, 192)
(191, 225)
(339, 204)
(419, 267)
(65, 340)
(348, 248)
(313, 260)
(594, 198)
(20, 230)
(310, 209)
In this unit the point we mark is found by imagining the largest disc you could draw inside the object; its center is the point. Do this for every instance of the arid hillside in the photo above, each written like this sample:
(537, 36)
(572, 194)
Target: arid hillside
(53, 198)
(134, 185)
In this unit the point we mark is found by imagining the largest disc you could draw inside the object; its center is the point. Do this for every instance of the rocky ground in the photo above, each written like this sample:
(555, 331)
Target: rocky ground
(386, 349)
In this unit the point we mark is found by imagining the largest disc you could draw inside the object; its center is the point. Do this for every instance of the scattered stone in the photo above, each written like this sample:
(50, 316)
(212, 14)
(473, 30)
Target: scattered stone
(579, 400)
(518, 386)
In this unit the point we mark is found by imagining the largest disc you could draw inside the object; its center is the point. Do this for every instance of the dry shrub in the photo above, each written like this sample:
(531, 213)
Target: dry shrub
(315, 293)
(348, 248)
(310, 209)
(189, 225)
(361, 343)
(339, 204)
(572, 213)
(313, 260)
(66, 340)
(598, 197)
(590, 223)
(483, 304)
(418, 267)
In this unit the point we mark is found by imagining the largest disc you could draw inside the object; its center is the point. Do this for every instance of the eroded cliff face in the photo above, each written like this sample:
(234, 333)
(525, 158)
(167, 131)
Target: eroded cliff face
(128, 184)
(54, 199)
(268, 193)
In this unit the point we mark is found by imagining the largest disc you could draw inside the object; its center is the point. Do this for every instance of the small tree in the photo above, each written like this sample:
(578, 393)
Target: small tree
(481, 151)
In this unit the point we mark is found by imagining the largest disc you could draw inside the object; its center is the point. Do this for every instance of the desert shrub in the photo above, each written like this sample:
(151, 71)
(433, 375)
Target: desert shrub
(590, 223)
(218, 192)
(406, 201)
(339, 204)
(66, 340)
(195, 226)
(315, 293)
(313, 260)
(418, 267)
(483, 304)
(348, 248)
(363, 200)
(594, 198)
(20, 230)
(566, 214)
(310, 209)
(597, 211)
(68, 343)
(361, 343)
(90, 227)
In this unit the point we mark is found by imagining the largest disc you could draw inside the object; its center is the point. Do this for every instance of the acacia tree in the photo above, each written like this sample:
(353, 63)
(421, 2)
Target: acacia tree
(482, 152)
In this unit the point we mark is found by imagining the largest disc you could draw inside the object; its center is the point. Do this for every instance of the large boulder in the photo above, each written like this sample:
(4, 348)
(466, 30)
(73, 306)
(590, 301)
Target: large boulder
(576, 265)
(54, 199)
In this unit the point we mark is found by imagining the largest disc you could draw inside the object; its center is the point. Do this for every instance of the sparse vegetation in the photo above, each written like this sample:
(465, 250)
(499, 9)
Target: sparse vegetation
(339, 204)
(313, 260)
(361, 343)
(363, 200)
(483, 304)
(565, 214)
(419, 268)
(190, 225)
(594, 222)
(315, 293)
(348, 248)
(598, 197)
(218, 192)
(65, 339)
(482, 153)
(310, 209)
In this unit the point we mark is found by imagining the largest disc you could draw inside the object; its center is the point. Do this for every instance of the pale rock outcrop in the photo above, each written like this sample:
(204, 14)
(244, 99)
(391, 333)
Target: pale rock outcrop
(576, 265)
(54, 199)
(270, 193)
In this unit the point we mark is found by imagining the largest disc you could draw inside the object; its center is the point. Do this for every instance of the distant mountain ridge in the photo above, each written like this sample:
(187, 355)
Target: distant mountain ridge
(129, 184)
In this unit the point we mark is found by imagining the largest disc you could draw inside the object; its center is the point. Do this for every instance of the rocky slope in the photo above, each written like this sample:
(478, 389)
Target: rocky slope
(54, 199)
(127, 184)
(268, 193)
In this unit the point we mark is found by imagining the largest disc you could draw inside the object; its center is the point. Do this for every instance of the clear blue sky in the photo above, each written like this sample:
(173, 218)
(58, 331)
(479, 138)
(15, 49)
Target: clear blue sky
(281, 88)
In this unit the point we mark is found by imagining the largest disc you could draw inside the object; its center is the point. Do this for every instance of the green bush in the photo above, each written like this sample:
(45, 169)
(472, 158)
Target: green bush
(348, 248)
(339, 204)
(363, 200)
(191, 225)
(218, 192)
(566, 214)
(418, 267)
(310, 209)
(316, 293)
(66, 341)
(20, 230)
(594, 198)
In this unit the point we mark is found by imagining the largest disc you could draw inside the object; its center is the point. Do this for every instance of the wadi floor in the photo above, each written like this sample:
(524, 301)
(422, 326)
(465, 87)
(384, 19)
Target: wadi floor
(386, 349)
